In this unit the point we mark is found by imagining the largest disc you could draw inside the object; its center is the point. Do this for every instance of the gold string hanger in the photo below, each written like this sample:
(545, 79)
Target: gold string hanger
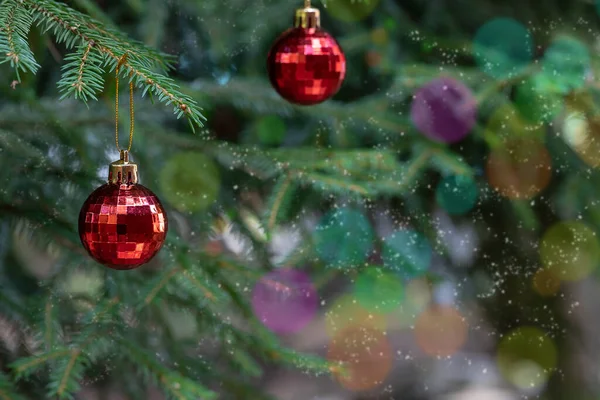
(122, 61)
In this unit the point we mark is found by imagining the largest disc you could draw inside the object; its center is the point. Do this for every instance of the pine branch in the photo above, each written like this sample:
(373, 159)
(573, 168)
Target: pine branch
(24, 367)
(15, 24)
(278, 202)
(82, 76)
(175, 385)
(98, 45)
(7, 389)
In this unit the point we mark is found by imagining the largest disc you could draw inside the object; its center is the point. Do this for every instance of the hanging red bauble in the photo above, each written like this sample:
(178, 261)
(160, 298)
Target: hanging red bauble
(122, 224)
(305, 64)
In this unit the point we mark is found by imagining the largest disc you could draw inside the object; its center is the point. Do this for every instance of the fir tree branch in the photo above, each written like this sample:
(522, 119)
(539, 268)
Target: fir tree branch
(26, 366)
(15, 24)
(7, 389)
(102, 44)
(275, 205)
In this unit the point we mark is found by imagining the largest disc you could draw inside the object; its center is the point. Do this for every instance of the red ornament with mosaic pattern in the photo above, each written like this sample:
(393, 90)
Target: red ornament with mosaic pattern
(306, 65)
(122, 224)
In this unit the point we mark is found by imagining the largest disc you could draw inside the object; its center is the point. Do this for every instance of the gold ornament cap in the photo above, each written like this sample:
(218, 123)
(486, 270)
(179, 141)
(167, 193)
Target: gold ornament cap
(122, 172)
(307, 17)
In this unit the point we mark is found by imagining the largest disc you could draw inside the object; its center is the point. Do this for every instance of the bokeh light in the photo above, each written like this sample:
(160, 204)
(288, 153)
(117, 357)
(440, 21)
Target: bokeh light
(537, 100)
(582, 134)
(190, 181)
(444, 110)
(285, 300)
(407, 252)
(503, 47)
(350, 10)
(270, 130)
(506, 123)
(545, 282)
(457, 194)
(526, 357)
(346, 313)
(520, 169)
(570, 249)
(440, 330)
(378, 290)
(343, 238)
(365, 356)
(418, 295)
(566, 62)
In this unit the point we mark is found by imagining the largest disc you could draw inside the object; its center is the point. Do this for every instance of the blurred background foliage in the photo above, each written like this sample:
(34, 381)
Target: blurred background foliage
(433, 228)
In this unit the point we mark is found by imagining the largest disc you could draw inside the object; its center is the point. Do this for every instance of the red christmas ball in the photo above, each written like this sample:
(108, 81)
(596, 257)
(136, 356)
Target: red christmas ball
(122, 225)
(306, 65)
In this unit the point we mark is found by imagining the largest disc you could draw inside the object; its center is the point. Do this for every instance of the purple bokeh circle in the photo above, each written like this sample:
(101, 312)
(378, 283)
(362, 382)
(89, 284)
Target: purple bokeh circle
(444, 110)
(285, 300)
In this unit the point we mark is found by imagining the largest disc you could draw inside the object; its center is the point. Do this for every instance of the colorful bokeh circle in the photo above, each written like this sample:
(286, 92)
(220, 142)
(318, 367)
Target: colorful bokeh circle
(378, 290)
(507, 124)
(545, 282)
(503, 47)
(457, 194)
(519, 169)
(343, 238)
(582, 134)
(350, 10)
(440, 330)
(346, 312)
(270, 130)
(444, 110)
(537, 101)
(526, 357)
(407, 252)
(567, 62)
(364, 356)
(285, 300)
(190, 181)
(571, 250)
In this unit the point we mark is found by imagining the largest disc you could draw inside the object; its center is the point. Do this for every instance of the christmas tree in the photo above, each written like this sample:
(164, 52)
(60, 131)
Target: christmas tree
(429, 231)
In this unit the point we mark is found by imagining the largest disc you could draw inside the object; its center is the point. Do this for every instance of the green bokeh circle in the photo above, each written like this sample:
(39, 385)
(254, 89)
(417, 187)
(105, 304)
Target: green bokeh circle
(566, 63)
(378, 291)
(457, 194)
(407, 252)
(350, 10)
(344, 238)
(190, 181)
(538, 99)
(503, 47)
(270, 130)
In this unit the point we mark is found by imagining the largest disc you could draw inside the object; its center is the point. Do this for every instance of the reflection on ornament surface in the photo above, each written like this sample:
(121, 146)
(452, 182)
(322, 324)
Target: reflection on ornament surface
(519, 169)
(190, 181)
(526, 357)
(285, 300)
(582, 134)
(503, 48)
(570, 249)
(457, 194)
(440, 330)
(444, 110)
(343, 238)
(546, 283)
(407, 252)
(346, 313)
(364, 355)
(378, 291)
(567, 62)
(350, 10)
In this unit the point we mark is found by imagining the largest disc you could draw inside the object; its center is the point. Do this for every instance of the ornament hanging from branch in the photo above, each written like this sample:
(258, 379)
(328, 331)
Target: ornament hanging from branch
(306, 65)
(122, 224)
